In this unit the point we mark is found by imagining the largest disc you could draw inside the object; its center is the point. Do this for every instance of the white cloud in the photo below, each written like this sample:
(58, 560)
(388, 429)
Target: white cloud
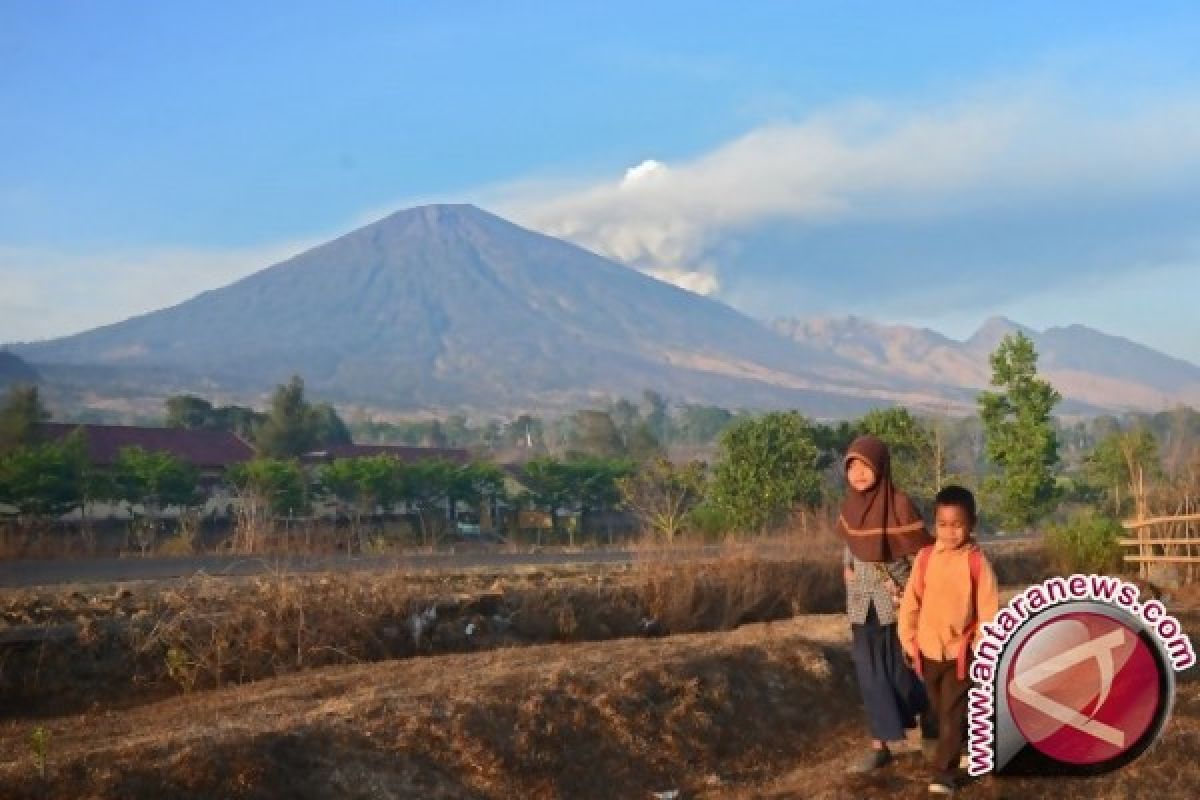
(648, 170)
(1029, 148)
(698, 282)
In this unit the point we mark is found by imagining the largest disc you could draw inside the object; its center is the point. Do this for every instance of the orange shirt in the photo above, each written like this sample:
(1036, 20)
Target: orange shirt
(938, 622)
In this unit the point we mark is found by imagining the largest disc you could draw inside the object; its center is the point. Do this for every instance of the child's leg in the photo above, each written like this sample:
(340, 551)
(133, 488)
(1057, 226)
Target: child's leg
(934, 675)
(949, 695)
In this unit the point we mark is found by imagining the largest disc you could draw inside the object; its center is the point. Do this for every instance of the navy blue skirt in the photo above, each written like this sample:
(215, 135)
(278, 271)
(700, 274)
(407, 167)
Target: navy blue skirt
(892, 693)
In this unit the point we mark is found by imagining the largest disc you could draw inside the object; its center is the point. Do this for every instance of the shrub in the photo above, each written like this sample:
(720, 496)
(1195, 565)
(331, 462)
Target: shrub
(1086, 542)
(708, 522)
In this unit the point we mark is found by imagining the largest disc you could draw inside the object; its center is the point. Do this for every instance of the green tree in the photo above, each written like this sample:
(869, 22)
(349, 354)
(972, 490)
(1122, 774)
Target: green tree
(549, 487)
(662, 495)
(642, 445)
(641, 430)
(434, 435)
(189, 412)
(654, 413)
(293, 428)
(21, 417)
(768, 466)
(195, 413)
(1019, 433)
(593, 484)
(458, 431)
(155, 480)
(478, 482)
(327, 427)
(700, 424)
(625, 415)
(45, 481)
(271, 486)
(1120, 465)
(288, 431)
(365, 485)
(268, 488)
(593, 433)
(429, 487)
(238, 420)
(918, 464)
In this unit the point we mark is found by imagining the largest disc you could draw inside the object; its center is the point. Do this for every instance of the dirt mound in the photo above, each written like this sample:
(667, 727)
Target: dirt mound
(618, 719)
(124, 646)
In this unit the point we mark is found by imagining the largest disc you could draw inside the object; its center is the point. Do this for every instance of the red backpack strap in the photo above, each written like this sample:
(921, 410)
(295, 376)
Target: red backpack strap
(975, 562)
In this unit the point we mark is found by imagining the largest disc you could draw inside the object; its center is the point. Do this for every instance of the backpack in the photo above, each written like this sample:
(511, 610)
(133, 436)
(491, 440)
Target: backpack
(975, 563)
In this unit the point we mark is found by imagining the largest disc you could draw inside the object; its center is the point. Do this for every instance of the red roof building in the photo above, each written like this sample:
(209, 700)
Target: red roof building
(206, 450)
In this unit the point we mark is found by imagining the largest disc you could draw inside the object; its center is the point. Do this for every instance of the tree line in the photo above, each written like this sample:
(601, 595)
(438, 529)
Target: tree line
(760, 470)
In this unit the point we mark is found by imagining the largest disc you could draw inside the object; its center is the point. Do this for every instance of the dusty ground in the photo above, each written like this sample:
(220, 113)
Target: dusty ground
(766, 711)
(616, 719)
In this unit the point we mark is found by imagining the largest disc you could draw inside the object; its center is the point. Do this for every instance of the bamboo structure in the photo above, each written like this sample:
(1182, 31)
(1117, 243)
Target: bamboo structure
(1171, 539)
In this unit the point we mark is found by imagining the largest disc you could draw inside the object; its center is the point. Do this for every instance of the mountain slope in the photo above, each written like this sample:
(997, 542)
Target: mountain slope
(1089, 367)
(450, 305)
(13, 369)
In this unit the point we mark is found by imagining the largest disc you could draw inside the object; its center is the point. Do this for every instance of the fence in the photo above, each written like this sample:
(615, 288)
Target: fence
(1169, 540)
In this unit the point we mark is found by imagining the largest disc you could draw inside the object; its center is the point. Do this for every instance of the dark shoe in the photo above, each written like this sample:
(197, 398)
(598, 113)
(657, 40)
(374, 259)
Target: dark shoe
(873, 760)
(944, 784)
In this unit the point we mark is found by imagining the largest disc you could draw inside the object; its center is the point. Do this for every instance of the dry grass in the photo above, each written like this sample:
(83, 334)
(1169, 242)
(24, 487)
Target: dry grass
(735, 589)
(617, 719)
(763, 711)
(123, 646)
(767, 711)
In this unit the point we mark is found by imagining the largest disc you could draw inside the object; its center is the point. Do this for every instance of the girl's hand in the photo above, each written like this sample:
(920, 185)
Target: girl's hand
(897, 594)
(847, 574)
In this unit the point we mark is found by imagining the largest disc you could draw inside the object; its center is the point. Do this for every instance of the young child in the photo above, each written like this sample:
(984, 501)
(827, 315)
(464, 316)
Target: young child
(882, 530)
(951, 593)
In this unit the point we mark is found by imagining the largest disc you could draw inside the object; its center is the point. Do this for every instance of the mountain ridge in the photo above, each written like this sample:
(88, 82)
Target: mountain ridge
(1087, 365)
(449, 306)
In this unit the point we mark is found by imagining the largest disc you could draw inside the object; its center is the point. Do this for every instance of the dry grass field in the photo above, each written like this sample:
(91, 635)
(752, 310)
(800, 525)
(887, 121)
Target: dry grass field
(657, 678)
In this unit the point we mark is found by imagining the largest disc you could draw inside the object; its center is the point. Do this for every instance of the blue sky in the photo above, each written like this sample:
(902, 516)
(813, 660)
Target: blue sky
(933, 163)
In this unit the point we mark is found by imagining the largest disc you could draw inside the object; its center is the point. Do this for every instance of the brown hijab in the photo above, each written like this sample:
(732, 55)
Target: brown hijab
(880, 524)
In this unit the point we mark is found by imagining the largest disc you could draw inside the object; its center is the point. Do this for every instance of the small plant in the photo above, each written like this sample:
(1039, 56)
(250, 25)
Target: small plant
(145, 532)
(1086, 542)
(180, 668)
(39, 744)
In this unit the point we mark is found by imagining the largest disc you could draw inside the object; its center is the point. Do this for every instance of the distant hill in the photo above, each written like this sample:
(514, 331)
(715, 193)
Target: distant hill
(449, 306)
(1091, 368)
(14, 369)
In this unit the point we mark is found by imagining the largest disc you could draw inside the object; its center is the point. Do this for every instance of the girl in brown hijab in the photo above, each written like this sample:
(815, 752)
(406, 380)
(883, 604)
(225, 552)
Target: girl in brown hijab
(883, 531)
(878, 521)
